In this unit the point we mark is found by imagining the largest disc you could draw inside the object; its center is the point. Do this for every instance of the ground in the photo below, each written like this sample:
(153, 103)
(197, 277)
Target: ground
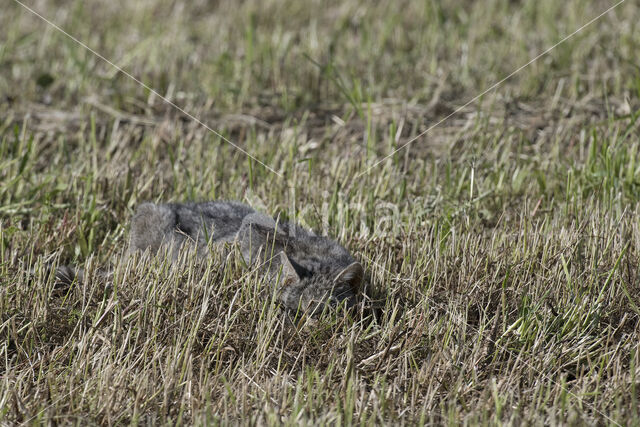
(502, 241)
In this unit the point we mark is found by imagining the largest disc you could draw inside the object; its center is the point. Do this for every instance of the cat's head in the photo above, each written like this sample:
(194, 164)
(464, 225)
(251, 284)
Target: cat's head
(313, 294)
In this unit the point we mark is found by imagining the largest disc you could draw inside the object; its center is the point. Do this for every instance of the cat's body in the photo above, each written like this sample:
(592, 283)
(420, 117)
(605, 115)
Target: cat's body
(308, 271)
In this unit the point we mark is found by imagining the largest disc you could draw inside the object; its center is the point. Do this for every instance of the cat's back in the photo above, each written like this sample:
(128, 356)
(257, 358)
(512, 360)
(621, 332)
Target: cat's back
(154, 224)
(223, 210)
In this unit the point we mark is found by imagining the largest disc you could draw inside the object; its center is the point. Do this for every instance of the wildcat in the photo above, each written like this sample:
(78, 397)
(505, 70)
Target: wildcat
(309, 271)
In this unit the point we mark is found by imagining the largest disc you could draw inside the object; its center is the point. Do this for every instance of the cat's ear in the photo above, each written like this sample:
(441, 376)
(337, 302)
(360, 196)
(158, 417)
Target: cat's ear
(352, 275)
(289, 275)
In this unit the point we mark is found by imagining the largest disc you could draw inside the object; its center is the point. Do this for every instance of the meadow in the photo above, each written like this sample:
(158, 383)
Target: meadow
(500, 232)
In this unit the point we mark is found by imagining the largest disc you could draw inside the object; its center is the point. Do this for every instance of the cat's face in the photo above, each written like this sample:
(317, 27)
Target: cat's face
(313, 294)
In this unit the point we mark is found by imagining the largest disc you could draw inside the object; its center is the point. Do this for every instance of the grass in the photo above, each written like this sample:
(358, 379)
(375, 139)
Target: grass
(502, 245)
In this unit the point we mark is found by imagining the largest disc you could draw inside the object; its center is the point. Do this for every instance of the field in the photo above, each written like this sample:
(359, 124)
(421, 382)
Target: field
(500, 232)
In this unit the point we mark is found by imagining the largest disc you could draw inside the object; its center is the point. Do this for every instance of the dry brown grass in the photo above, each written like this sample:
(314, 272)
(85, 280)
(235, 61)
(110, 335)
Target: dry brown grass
(502, 246)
